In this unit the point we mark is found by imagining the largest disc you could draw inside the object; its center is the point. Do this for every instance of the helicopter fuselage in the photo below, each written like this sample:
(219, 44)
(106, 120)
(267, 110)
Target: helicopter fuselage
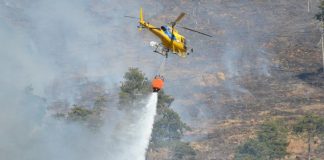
(171, 40)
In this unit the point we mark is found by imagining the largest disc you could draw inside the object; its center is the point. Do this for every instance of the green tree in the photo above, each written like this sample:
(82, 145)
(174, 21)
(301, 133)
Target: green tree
(182, 150)
(274, 135)
(92, 118)
(320, 15)
(271, 143)
(251, 150)
(312, 125)
(164, 101)
(78, 113)
(168, 127)
(135, 87)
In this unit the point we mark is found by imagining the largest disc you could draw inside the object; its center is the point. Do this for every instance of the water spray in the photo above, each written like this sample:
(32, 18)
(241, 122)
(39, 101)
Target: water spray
(133, 134)
(144, 125)
(150, 112)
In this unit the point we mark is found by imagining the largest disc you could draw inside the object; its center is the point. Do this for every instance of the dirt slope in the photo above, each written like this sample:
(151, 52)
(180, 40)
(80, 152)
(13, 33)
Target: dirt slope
(263, 62)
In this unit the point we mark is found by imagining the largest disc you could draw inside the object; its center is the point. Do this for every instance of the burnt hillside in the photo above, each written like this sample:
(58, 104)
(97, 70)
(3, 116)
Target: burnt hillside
(263, 62)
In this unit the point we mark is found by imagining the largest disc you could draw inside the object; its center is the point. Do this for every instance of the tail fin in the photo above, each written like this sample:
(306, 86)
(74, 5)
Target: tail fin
(141, 22)
(141, 15)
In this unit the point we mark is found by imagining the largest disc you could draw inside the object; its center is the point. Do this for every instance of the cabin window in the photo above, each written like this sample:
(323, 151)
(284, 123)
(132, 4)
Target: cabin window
(168, 32)
(163, 28)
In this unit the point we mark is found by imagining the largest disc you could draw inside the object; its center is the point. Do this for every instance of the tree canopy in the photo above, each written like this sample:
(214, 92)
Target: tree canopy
(271, 143)
(312, 125)
(134, 87)
(320, 15)
(169, 127)
(309, 123)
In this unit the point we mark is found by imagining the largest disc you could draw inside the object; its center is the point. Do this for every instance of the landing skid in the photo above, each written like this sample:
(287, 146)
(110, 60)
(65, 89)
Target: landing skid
(162, 53)
(160, 49)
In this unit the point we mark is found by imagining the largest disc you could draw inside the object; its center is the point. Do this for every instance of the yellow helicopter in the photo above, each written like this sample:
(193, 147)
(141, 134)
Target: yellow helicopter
(170, 38)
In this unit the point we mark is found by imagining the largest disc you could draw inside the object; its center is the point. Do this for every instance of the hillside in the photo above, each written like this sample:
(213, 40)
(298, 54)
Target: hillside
(75, 76)
(263, 63)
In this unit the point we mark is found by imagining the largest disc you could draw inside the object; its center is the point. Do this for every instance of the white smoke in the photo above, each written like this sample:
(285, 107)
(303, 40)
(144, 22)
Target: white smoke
(46, 44)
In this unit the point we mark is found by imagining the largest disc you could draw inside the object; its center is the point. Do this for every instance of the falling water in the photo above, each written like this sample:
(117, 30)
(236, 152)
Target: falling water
(134, 132)
(148, 120)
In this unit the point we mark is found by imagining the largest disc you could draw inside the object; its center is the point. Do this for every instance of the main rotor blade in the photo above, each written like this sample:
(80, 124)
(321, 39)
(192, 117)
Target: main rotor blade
(180, 17)
(172, 35)
(131, 17)
(182, 14)
(196, 31)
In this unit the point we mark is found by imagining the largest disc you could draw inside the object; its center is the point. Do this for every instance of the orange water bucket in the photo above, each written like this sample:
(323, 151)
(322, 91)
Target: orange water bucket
(157, 84)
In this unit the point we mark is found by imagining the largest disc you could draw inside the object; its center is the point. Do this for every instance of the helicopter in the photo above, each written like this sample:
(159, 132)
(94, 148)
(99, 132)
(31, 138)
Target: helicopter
(171, 39)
